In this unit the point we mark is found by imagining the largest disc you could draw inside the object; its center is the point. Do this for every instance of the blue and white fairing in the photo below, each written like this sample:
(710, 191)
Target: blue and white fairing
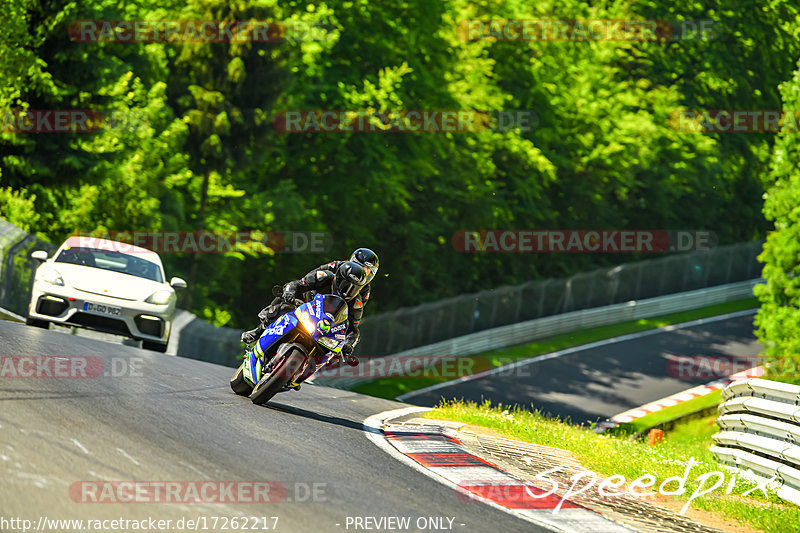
(324, 319)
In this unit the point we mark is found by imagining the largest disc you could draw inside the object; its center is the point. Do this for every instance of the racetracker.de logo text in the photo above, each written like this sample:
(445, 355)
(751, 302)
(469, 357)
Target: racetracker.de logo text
(582, 241)
(195, 31)
(403, 121)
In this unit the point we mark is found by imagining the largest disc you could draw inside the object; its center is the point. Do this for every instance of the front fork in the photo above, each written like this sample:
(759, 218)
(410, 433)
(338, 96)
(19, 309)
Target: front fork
(316, 359)
(265, 358)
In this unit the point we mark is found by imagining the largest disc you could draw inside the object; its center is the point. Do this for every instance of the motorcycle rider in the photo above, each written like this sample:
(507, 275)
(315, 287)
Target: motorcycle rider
(364, 257)
(347, 282)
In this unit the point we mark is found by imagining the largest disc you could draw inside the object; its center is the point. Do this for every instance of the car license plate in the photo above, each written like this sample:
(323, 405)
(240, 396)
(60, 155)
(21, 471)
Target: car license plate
(100, 308)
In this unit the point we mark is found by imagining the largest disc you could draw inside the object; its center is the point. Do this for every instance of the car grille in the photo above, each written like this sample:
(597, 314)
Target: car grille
(100, 323)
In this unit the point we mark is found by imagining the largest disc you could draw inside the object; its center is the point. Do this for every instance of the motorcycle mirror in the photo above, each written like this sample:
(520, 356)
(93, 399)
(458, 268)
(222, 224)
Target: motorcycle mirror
(277, 290)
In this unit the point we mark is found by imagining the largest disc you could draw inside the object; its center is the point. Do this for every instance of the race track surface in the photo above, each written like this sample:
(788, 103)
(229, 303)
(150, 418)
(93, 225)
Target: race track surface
(151, 417)
(600, 382)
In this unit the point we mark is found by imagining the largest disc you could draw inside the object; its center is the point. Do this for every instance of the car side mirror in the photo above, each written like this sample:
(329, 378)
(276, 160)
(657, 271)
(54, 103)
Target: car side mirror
(39, 255)
(177, 283)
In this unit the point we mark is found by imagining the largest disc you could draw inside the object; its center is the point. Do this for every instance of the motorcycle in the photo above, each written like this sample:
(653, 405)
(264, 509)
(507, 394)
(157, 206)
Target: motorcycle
(294, 346)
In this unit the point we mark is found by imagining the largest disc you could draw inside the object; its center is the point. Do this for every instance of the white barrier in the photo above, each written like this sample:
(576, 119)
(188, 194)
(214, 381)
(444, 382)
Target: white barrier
(760, 431)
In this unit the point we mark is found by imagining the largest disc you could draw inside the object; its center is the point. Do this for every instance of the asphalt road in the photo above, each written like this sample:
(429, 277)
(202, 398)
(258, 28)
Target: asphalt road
(152, 417)
(600, 382)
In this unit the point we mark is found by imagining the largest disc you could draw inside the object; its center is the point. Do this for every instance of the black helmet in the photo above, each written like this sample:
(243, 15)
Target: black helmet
(349, 279)
(367, 259)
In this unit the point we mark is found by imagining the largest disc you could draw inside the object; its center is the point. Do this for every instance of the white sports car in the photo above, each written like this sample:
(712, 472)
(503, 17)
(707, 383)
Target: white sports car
(107, 286)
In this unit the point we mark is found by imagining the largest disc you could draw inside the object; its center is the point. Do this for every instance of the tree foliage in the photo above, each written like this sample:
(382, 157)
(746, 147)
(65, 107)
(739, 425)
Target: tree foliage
(202, 152)
(778, 319)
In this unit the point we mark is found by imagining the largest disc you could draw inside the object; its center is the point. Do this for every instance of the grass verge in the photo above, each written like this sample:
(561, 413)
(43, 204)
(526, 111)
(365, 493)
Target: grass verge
(609, 455)
(648, 421)
(392, 387)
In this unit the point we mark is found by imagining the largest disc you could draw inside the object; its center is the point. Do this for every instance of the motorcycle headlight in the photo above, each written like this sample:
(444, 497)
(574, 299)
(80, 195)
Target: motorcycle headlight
(308, 324)
(161, 297)
(51, 276)
(330, 344)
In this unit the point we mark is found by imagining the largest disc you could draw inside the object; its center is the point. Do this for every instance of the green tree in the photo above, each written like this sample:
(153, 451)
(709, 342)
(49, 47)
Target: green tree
(778, 320)
(205, 155)
(107, 179)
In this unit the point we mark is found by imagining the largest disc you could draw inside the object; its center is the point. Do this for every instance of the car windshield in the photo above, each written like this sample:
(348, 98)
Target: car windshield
(113, 261)
(335, 307)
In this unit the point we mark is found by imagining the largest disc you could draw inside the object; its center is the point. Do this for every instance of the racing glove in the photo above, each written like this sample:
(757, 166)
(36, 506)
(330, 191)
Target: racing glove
(347, 355)
(347, 349)
(288, 296)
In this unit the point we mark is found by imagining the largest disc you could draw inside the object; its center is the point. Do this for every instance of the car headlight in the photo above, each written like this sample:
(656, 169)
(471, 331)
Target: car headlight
(51, 276)
(160, 297)
(308, 324)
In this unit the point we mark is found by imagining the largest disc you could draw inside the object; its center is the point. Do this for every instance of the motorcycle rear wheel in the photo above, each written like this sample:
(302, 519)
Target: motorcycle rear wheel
(270, 385)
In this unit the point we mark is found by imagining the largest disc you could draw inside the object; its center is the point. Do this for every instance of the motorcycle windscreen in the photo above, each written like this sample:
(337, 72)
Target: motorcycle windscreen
(334, 307)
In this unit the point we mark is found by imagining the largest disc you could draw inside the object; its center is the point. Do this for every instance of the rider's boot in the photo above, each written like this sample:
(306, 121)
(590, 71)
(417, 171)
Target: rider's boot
(266, 315)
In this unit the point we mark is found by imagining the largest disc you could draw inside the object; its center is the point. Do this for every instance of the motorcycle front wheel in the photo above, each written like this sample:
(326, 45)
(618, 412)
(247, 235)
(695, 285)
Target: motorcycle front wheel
(271, 384)
(239, 385)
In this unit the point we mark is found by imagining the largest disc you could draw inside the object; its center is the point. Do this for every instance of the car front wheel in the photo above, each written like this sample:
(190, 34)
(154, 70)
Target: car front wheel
(155, 346)
(37, 323)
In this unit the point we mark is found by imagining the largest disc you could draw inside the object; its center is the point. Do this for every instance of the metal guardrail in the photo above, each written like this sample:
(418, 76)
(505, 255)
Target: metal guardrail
(471, 322)
(760, 432)
(541, 328)
(426, 324)
(201, 340)
(5, 314)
